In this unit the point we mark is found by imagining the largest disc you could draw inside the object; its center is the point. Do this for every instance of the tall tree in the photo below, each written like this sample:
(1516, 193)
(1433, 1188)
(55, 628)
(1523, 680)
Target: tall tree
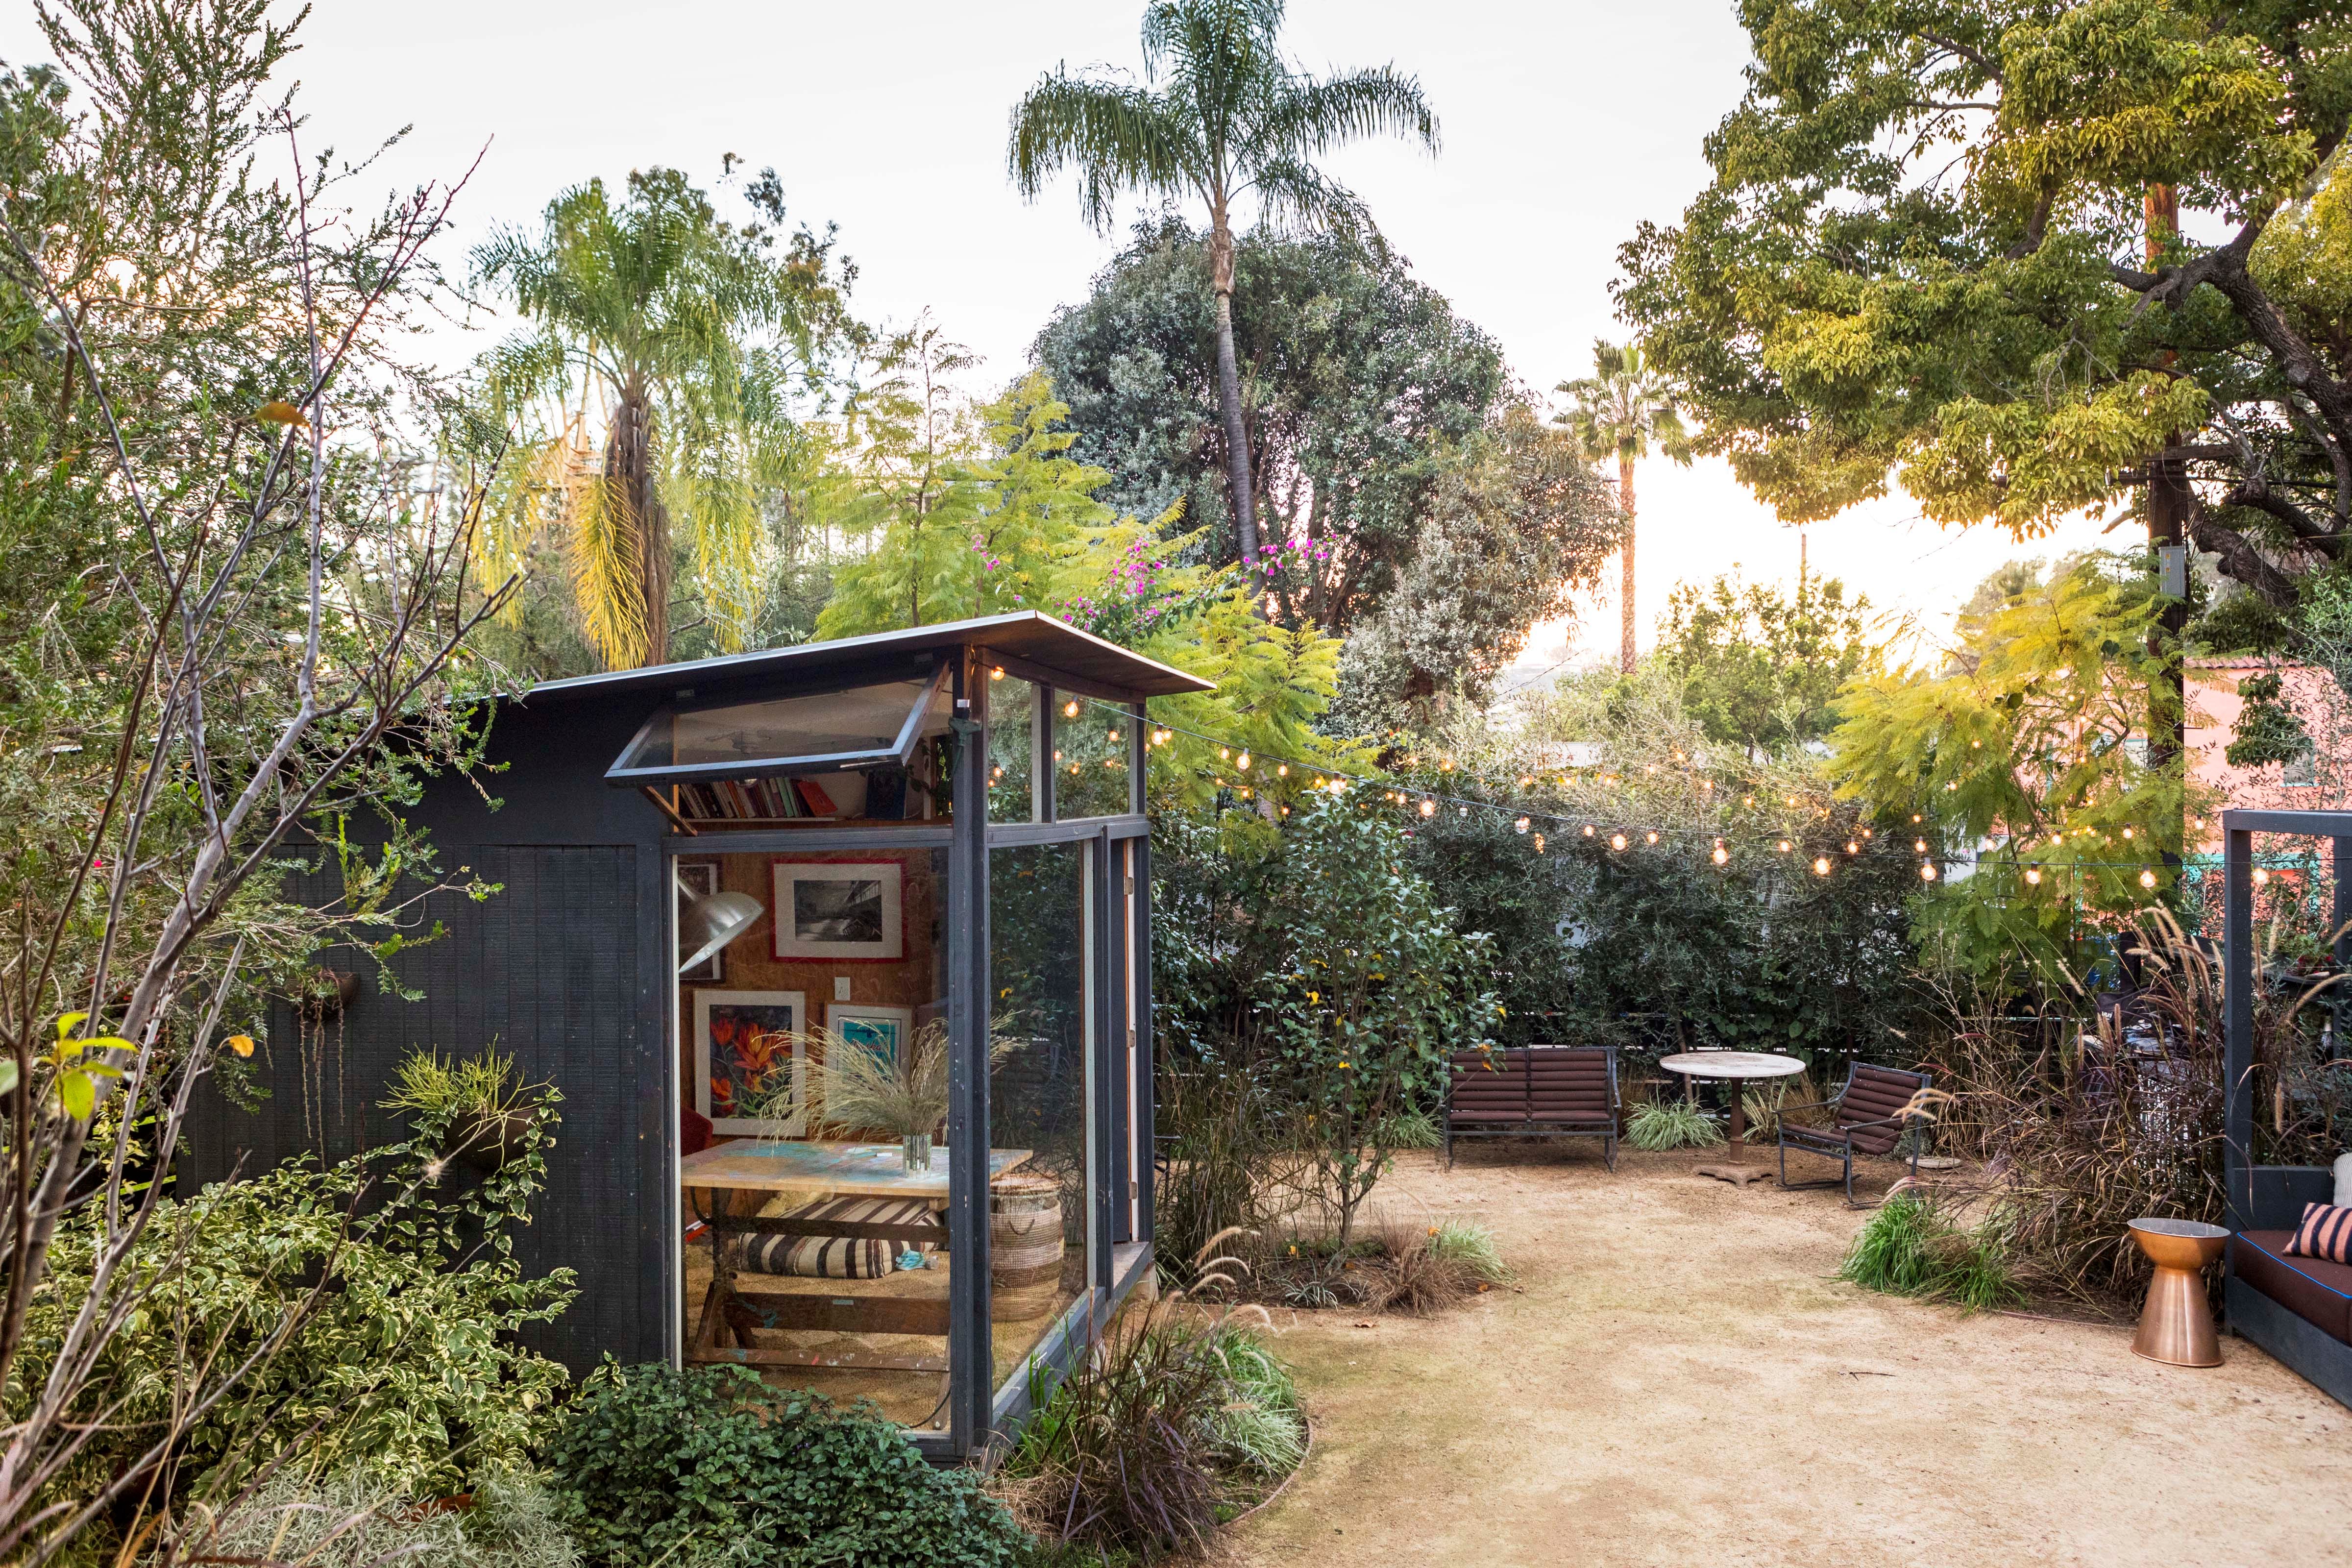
(1222, 116)
(1617, 412)
(688, 334)
(2007, 250)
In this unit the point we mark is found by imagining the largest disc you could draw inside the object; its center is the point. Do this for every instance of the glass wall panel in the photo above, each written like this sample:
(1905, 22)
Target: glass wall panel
(1012, 750)
(1091, 759)
(1041, 933)
(812, 1040)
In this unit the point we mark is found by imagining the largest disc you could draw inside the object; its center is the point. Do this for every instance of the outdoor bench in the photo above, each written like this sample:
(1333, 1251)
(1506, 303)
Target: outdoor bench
(1534, 1092)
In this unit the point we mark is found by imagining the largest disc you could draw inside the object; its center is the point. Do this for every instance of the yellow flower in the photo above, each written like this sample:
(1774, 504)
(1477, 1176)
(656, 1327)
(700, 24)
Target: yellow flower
(241, 1044)
(1314, 996)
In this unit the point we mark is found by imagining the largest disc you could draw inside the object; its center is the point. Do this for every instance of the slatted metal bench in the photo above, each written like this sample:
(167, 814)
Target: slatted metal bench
(1535, 1091)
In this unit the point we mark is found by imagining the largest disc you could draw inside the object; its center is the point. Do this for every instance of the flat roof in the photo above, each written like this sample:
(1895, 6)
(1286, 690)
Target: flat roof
(1053, 647)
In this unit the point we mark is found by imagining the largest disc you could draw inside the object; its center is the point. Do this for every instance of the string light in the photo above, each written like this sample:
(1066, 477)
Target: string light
(1070, 709)
(2261, 878)
(2128, 833)
(1652, 837)
(1919, 845)
(1242, 761)
(1720, 854)
(1822, 866)
(1784, 846)
(2148, 878)
(1429, 808)
(2034, 875)
(1588, 830)
(1852, 847)
(996, 674)
(1616, 841)
(1282, 770)
(1519, 825)
(1928, 872)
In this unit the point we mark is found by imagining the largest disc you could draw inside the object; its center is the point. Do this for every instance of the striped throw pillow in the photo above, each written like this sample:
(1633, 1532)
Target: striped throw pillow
(2326, 1233)
(839, 1257)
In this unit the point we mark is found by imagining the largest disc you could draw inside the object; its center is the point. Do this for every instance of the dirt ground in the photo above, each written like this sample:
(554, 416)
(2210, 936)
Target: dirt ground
(1678, 1379)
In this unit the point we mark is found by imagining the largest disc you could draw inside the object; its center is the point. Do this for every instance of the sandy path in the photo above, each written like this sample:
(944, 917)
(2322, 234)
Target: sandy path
(1679, 1381)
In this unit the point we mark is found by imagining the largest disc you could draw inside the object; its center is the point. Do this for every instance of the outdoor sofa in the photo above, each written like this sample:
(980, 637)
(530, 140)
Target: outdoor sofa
(2298, 1309)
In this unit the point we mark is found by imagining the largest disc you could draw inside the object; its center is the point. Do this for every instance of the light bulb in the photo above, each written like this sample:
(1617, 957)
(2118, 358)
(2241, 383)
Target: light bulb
(1914, 816)
(1920, 845)
(996, 674)
(1588, 830)
(1224, 753)
(1242, 762)
(1784, 846)
(1070, 709)
(1616, 841)
(1822, 866)
(2148, 878)
(2261, 878)
(2033, 876)
(1429, 808)
(1721, 855)
(1520, 826)
(1852, 847)
(1649, 839)
(2128, 833)
(1927, 873)
(1748, 800)
(1282, 770)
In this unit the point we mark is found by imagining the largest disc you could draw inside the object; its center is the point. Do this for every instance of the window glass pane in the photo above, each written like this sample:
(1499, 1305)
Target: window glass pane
(795, 1106)
(1091, 759)
(1042, 961)
(1012, 710)
(814, 724)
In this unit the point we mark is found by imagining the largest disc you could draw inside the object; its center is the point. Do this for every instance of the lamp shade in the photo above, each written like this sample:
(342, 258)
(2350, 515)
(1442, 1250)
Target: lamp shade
(706, 924)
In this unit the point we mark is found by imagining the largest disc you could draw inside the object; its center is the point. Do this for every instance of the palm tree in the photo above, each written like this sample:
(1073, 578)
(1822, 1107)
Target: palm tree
(1619, 410)
(685, 334)
(1221, 116)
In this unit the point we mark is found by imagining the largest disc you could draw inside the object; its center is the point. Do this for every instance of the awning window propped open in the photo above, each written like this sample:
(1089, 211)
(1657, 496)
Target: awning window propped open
(835, 731)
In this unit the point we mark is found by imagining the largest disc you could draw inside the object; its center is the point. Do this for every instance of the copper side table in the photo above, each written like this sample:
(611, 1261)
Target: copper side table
(2176, 1326)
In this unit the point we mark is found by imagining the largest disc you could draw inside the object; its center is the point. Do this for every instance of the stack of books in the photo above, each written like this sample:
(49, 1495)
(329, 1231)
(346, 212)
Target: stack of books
(754, 800)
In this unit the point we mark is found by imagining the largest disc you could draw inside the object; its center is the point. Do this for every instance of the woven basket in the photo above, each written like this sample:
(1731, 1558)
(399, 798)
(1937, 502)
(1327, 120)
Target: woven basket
(1025, 1232)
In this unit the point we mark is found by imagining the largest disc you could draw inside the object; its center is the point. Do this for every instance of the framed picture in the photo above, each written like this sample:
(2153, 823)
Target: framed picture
(748, 1046)
(839, 910)
(882, 1030)
(700, 879)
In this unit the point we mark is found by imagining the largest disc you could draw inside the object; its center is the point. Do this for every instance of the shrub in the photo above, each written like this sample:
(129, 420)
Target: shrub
(1135, 1451)
(378, 1310)
(1470, 1248)
(1912, 1247)
(351, 1521)
(1417, 1278)
(653, 1465)
(1658, 1124)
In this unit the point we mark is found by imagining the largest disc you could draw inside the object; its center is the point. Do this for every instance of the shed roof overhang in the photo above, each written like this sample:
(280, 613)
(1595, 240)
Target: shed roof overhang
(1026, 642)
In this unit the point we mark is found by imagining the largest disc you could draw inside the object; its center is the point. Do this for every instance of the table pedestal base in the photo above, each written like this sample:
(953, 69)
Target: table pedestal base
(2176, 1326)
(1738, 1175)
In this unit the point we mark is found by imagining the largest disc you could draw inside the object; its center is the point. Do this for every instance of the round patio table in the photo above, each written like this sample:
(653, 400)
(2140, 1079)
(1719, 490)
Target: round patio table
(1738, 1068)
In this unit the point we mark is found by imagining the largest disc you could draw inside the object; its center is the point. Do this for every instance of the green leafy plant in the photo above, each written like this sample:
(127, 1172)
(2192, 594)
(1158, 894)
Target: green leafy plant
(481, 1085)
(1911, 1247)
(1676, 1123)
(652, 1465)
(1413, 1128)
(377, 1317)
(1260, 1426)
(1470, 1248)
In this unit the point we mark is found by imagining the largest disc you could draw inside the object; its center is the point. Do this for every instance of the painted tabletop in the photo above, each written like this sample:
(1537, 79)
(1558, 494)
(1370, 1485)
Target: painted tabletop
(1731, 1064)
(784, 1165)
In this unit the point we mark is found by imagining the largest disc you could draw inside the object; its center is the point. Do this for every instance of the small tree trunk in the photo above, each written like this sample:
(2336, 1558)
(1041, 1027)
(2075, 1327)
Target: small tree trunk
(1625, 608)
(1229, 403)
(629, 471)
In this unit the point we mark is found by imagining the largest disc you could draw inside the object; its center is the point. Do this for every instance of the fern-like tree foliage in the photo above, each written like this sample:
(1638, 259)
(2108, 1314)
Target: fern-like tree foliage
(1221, 116)
(2027, 255)
(1619, 411)
(657, 381)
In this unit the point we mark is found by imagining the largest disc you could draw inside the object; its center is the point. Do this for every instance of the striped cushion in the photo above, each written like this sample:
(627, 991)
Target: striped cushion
(838, 1257)
(2326, 1233)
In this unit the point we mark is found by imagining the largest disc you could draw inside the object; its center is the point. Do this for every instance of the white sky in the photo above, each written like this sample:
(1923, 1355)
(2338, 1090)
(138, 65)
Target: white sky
(1563, 126)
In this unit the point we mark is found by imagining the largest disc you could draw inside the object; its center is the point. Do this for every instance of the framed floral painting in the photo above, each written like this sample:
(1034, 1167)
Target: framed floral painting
(751, 1061)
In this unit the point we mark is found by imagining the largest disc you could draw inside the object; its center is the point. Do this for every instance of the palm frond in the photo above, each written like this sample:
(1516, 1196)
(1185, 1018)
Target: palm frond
(1120, 137)
(607, 553)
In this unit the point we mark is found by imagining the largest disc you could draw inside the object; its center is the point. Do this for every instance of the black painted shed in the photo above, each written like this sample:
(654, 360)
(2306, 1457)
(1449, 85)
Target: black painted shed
(719, 880)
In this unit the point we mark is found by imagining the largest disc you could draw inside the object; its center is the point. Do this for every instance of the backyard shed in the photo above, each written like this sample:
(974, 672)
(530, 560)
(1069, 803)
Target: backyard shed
(731, 891)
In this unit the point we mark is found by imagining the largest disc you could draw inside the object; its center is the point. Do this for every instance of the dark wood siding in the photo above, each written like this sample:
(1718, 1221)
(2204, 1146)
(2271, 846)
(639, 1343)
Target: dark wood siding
(550, 969)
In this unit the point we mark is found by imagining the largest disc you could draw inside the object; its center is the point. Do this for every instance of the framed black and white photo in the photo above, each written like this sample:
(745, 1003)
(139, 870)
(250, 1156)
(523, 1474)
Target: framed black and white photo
(751, 1061)
(700, 879)
(846, 910)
